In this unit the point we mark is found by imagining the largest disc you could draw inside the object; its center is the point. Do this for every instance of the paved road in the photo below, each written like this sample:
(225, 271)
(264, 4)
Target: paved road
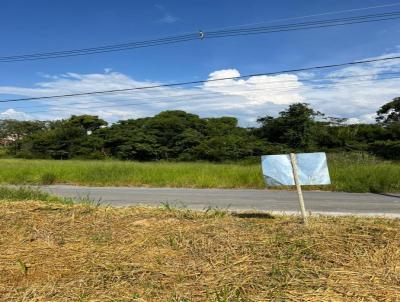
(276, 201)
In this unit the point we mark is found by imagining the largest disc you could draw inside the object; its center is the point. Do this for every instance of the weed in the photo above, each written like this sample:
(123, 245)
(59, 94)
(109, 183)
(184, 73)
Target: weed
(166, 206)
(100, 238)
(23, 266)
(228, 294)
(48, 178)
(216, 212)
(26, 193)
(177, 298)
(87, 200)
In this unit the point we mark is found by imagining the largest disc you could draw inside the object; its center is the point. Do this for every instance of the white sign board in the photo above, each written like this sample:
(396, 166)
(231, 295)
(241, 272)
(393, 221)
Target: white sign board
(312, 169)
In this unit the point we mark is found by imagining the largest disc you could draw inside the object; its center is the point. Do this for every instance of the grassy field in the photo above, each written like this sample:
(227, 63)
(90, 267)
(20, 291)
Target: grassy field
(349, 173)
(55, 252)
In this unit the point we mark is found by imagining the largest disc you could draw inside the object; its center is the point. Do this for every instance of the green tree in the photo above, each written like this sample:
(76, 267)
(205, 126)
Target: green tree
(293, 127)
(389, 113)
(63, 139)
(86, 122)
(13, 131)
(178, 135)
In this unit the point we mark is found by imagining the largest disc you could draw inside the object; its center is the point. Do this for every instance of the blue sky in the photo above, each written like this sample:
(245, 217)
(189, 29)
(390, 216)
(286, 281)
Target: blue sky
(39, 26)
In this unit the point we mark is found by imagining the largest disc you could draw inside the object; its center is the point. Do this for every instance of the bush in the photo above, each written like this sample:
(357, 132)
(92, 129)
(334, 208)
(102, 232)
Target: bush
(93, 155)
(386, 149)
(3, 152)
(48, 178)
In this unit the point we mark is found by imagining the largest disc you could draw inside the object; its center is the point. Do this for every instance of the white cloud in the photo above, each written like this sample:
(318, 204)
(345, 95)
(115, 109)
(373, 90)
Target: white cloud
(219, 98)
(169, 19)
(259, 90)
(354, 95)
(13, 114)
(224, 73)
(346, 93)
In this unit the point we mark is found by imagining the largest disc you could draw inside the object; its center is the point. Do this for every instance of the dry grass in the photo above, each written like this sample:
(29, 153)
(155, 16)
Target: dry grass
(55, 252)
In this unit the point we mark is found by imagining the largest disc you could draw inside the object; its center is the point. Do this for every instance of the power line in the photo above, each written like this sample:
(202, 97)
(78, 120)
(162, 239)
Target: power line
(310, 16)
(203, 81)
(204, 95)
(96, 50)
(176, 101)
(177, 94)
(205, 35)
(310, 24)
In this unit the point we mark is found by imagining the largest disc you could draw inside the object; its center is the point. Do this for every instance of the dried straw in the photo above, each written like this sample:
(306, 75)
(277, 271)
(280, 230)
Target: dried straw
(86, 253)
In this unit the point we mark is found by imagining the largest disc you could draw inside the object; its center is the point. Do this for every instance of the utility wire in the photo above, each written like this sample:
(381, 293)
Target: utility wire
(177, 94)
(103, 49)
(337, 21)
(310, 16)
(203, 81)
(204, 35)
(211, 98)
(203, 95)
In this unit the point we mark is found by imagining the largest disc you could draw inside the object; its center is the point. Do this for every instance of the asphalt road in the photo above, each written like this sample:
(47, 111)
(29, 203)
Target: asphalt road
(334, 203)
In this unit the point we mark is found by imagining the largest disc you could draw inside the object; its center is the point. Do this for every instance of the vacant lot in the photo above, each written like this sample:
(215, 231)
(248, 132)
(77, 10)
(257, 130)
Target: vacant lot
(349, 173)
(56, 252)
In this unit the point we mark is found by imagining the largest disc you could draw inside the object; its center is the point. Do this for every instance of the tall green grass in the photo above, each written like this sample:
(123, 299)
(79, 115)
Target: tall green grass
(357, 173)
(119, 173)
(349, 172)
(23, 194)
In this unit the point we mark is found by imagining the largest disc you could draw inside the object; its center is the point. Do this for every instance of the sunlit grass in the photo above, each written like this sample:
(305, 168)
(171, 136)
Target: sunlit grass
(21, 194)
(349, 172)
(119, 173)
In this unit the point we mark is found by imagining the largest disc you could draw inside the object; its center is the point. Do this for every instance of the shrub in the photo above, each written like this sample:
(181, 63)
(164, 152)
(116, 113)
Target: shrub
(386, 149)
(48, 178)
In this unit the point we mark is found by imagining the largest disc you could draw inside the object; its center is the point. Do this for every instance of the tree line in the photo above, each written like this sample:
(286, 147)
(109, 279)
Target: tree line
(178, 135)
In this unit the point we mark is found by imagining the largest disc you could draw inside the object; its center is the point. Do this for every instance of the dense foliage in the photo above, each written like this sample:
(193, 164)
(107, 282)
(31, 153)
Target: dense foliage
(180, 135)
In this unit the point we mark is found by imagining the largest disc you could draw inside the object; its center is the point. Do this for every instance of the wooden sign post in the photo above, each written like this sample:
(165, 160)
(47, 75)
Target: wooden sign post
(298, 186)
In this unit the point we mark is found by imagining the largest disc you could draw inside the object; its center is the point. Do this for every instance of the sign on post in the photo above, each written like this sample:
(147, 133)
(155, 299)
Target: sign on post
(296, 169)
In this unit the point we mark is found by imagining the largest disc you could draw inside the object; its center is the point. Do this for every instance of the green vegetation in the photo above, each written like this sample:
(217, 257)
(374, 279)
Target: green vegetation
(175, 149)
(362, 173)
(84, 253)
(181, 136)
(20, 194)
(127, 173)
(349, 172)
